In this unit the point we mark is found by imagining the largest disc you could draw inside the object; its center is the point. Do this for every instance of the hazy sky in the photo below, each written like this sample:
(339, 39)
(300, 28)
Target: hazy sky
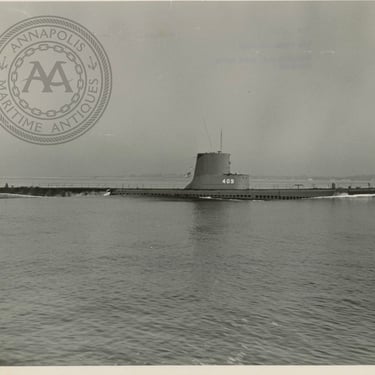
(291, 85)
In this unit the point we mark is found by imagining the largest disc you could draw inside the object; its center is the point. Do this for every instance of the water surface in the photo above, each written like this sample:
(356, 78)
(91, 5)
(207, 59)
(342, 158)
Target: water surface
(128, 281)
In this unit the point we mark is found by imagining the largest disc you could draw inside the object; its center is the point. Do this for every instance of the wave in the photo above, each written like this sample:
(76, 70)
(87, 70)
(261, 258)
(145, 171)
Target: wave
(347, 196)
(10, 196)
(223, 199)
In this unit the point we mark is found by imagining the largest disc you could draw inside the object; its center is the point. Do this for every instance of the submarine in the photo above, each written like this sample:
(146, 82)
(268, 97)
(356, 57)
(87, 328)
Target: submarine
(213, 179)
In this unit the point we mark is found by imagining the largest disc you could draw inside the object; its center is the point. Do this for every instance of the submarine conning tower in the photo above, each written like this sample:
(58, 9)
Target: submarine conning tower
(212, 171)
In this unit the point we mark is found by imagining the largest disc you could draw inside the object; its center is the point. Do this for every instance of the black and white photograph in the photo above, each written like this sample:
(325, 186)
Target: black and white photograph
(187, 183)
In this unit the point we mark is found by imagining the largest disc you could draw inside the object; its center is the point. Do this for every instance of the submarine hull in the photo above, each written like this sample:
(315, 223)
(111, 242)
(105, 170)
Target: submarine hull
(244, 194)
(241, 194)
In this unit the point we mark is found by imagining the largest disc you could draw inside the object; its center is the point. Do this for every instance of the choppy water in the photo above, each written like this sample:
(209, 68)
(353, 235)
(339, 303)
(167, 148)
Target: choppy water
(105, 281)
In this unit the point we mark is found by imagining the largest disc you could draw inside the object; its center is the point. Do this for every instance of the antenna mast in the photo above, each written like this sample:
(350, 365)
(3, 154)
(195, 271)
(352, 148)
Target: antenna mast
(208, 134)
(221, 140)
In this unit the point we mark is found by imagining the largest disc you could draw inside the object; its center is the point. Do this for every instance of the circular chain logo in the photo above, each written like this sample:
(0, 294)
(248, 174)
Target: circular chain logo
(55, 80)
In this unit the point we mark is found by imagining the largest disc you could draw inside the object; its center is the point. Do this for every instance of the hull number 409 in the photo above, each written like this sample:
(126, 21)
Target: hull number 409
(228, 181)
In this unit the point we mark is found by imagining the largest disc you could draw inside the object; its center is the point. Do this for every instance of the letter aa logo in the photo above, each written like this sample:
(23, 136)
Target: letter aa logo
(47, 80)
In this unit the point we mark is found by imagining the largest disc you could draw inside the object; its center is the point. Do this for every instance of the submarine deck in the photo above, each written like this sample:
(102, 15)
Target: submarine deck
(245, 194)
(179, 193)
